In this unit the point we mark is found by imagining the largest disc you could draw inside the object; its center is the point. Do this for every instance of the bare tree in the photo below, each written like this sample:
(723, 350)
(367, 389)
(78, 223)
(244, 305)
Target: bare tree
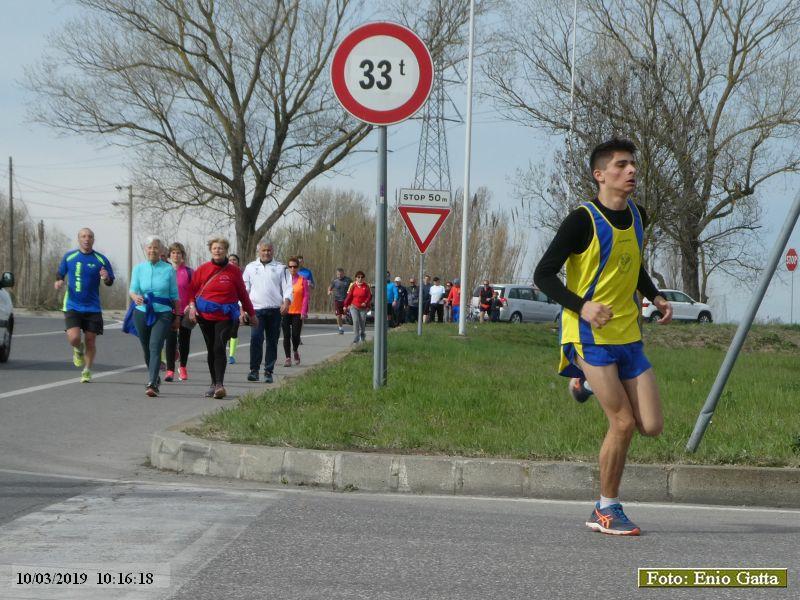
(708, 90)
(336, 228)
(227, 104)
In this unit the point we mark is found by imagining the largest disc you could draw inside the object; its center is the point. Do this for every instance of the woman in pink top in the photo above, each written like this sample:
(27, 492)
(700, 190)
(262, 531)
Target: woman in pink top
(180, 338)
(292, 322)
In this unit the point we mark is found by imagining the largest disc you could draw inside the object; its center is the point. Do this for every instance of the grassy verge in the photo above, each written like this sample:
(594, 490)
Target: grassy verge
(496, 393)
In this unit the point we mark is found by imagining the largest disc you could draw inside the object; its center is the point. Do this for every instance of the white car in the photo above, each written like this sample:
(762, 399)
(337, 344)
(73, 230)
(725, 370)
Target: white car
(521, 303)
(683, 308)
(6, 317)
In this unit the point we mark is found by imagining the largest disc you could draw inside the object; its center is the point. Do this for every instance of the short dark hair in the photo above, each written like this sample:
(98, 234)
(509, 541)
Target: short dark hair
(360, 274)
(606, 150)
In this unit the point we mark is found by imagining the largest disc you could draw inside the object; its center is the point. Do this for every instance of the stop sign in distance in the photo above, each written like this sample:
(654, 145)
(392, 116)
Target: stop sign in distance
(791, 259)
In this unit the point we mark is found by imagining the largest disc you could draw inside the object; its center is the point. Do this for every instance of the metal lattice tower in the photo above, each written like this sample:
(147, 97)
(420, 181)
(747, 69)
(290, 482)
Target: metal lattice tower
(433, 164)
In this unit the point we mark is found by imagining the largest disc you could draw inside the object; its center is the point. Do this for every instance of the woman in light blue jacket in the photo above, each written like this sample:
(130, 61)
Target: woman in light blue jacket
(154, 289)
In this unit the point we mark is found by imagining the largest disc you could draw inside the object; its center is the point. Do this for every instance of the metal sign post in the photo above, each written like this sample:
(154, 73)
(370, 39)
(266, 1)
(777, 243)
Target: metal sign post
(704, 418)
(791, 265)
(379, 352)
(419, 293)
(381, 73)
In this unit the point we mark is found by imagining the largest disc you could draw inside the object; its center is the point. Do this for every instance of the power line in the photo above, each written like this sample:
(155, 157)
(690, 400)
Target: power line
(68, 163)
(88, 189)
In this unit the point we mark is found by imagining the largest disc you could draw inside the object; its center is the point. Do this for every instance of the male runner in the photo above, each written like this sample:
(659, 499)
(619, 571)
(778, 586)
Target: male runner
(601, 341)
(84, 268)
(339, 287)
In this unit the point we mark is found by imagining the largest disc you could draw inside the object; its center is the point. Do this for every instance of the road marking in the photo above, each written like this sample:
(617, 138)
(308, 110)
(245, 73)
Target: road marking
(55, 384)
(191, 487)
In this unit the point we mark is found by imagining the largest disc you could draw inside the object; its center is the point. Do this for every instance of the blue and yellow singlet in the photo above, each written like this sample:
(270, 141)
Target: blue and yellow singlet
(606, 272)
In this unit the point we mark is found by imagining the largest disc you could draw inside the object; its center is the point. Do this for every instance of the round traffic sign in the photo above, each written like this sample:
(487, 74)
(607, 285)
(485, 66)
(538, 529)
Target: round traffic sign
(791, 259)
(382, 73)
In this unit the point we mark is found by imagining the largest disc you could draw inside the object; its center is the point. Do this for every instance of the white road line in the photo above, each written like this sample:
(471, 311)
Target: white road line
(253, 491)
(55, 384)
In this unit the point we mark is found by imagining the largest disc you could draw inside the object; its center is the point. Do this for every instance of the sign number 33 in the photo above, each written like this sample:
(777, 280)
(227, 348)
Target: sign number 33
(369, 82)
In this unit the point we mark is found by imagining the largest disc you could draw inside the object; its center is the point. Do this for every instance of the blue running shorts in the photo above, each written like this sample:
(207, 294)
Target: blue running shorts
(629, 358)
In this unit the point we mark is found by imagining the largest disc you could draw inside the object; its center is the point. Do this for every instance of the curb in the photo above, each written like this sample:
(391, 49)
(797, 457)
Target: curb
(372, 472)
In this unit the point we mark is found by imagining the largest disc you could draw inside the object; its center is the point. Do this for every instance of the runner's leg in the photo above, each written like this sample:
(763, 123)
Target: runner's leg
(645, 402)
(286, 326)
(621, 423)
(74, 337)
(90, 339)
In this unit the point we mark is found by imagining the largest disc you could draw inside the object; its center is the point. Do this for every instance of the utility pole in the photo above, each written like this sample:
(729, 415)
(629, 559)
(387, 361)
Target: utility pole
(465, 284)
(129, 204)
(41, 249)
(11, 212)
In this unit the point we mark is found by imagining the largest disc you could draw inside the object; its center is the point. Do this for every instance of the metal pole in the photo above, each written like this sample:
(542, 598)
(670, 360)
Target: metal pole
(704, 418)
(11, 212)
(130, 233)
(791, 303)
(572, 91)
(419, 288)
(462, 323)
(379, 356)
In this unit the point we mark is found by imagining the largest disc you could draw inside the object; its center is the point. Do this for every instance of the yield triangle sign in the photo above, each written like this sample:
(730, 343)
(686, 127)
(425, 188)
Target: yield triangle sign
(423, 223)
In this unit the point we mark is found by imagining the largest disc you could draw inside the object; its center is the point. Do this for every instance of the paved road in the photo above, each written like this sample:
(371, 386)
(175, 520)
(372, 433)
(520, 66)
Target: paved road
(51, 423)
(73, 494)
(211, 539)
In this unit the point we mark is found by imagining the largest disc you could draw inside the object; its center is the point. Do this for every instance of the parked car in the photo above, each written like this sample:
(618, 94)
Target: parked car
(6, 316)
(521, 303)
(683, 308)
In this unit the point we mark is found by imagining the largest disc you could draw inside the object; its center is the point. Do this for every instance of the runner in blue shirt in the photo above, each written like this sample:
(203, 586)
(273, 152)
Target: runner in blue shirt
(84, 269)
(304, 271)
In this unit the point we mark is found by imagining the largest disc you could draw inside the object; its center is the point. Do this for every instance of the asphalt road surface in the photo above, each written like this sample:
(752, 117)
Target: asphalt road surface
(75, 497)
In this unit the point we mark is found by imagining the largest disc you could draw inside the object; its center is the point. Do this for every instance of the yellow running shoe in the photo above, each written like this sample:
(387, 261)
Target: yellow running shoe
(86, 376)
(77, 356)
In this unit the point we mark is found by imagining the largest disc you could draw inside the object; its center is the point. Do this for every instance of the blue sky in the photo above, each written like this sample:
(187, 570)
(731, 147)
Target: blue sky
(69, 182)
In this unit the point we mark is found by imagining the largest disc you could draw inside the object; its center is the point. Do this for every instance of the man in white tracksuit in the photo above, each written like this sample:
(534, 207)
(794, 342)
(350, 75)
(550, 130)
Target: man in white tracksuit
(269, 285)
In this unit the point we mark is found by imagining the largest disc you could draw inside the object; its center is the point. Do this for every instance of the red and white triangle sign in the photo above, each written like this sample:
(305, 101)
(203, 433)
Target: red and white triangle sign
(423, 223)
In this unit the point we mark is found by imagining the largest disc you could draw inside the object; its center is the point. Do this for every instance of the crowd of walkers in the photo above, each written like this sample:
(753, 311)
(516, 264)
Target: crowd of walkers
(168, 299)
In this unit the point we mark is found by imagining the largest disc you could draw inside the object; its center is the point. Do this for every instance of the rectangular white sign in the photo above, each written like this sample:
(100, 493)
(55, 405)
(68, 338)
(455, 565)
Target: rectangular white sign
(429, 198)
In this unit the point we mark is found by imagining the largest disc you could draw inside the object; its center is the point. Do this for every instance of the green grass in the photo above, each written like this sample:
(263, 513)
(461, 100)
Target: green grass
(496, 393)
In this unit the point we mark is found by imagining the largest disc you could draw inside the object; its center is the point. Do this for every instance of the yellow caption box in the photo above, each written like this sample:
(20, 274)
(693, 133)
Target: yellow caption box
(712, 577)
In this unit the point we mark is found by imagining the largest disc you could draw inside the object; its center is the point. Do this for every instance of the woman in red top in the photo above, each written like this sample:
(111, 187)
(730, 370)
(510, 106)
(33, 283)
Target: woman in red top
(358, 302)
(217, 290)
(292, 322)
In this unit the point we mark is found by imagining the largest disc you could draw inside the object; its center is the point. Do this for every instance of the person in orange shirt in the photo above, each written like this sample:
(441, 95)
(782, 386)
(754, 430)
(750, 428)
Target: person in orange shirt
(292, 322)
(454, 299)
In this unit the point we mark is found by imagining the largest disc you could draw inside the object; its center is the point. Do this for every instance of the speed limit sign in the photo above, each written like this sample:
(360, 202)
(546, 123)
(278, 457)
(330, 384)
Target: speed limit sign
(382, 73)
